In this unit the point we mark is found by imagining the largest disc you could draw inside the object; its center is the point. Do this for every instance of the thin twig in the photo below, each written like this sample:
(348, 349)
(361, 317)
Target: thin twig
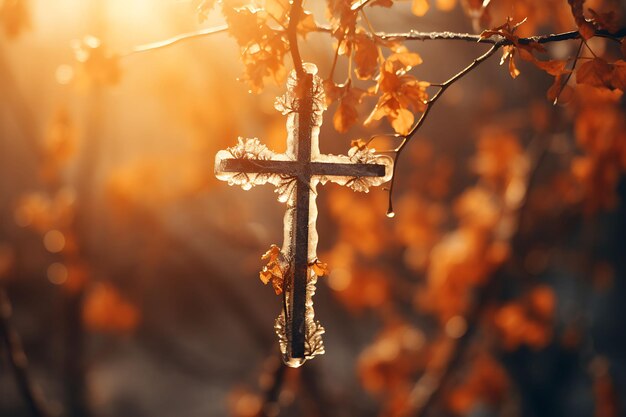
(175, 40)
(442, 89)
(569, 76)
(18, 360)
(542, 39)
(336, 57)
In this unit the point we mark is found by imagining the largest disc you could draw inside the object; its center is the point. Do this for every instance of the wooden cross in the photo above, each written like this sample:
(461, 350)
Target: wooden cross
(296, 174)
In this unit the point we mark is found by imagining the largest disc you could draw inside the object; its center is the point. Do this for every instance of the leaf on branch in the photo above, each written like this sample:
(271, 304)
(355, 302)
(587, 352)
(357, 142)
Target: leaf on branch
(264, 62)
(509, 53)
(341, 16)
(402, 121)
(245, 24)
(506, 30)
(526, 51)
(553, 67)
(608, 21)
(365, 56)
(420, 7)
(274, 271)
(400, 92)
(262, 48)
(585, 28)
(556, 68)
(349, 98)
(306, 24)
(597, 73)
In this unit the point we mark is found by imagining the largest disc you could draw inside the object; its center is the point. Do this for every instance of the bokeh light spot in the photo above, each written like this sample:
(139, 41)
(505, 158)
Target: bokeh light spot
(57, 273)
(54, 241)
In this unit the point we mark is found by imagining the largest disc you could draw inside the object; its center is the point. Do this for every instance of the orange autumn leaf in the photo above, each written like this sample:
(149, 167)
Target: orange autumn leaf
(399, 92)
(274, 270)
(509, 53)
(348, 98)
(596, 72)
(262, 51)
(506, 30)
(585, 28)
(608, 21)
(365, 56)
(347, 114)
(320, 268)
(307, 23)
(553, 67)
(341, 15)
(272, 254)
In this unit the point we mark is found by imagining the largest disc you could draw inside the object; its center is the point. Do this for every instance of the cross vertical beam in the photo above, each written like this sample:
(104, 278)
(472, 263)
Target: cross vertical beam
(301, 235)
(296, 174)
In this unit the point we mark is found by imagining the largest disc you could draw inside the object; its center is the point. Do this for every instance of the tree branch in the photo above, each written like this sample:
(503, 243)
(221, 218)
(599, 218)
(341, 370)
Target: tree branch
(429, 105)
(292, 35)
(542, 39)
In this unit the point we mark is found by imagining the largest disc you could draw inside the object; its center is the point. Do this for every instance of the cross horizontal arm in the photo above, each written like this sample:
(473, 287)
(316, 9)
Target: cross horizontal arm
(295, 168)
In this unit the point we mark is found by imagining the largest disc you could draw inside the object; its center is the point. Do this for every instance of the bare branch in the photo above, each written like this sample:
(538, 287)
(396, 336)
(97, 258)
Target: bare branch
(569, 76)
(543, 39)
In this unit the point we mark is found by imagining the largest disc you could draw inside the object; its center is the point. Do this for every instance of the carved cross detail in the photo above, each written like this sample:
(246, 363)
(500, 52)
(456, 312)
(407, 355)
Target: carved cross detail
(296, 174)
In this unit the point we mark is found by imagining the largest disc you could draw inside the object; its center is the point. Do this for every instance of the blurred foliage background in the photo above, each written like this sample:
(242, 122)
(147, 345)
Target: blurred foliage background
(130, 273)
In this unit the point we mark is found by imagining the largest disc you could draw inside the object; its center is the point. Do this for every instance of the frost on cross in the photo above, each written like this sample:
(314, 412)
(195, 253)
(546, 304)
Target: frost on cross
(296, 174)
